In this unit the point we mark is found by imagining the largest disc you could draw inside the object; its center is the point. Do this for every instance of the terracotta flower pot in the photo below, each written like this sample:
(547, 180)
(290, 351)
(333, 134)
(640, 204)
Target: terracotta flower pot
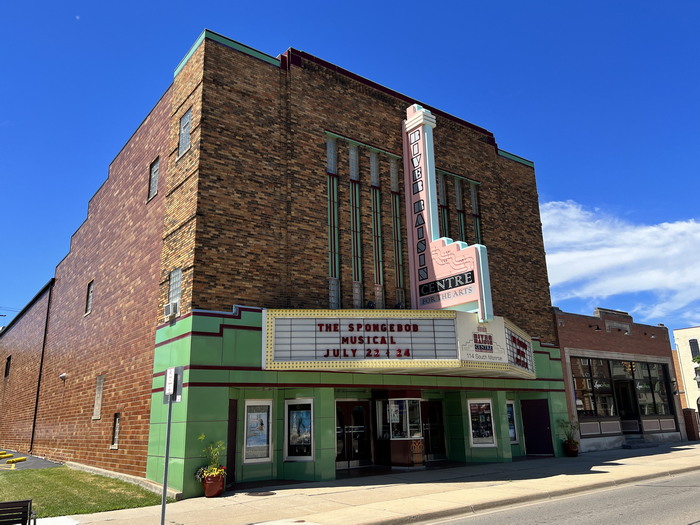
(571, 448)
(213, 486)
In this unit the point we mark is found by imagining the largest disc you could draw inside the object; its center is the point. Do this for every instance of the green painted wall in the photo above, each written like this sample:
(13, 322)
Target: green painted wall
(222, 357)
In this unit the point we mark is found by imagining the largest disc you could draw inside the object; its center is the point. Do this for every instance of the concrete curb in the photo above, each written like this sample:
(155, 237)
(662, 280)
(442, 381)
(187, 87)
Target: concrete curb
(141, 482)
(491, 505)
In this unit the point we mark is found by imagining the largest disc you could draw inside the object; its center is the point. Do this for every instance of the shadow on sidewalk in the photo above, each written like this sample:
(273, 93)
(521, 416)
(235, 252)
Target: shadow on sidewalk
(451, 472)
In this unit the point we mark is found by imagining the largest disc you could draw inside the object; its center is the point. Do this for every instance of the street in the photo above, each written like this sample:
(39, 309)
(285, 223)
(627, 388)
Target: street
(668, 501)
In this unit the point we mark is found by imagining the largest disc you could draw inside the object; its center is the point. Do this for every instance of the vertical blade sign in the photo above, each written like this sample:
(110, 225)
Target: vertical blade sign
(445, 274)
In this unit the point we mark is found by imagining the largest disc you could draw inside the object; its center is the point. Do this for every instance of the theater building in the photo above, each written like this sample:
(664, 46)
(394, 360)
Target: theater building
(345, 277)
(620, 380)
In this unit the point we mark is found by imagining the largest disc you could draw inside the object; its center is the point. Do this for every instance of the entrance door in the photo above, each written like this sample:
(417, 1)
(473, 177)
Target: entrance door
(353, 434)
(433, 430)
(536, 427)
(627, 407)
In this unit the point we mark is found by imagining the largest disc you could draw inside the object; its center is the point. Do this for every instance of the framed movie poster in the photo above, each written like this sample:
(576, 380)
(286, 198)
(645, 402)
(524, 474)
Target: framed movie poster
(299, 429)
(481, 423)
(258, 431)
(512, 425)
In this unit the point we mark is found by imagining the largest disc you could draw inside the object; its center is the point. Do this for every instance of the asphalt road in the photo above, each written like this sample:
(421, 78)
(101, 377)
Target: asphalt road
(32, 462)
(669, 501)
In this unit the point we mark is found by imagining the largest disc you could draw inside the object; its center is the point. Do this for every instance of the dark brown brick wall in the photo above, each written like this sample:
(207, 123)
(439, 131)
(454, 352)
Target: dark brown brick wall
(262, 213)
(119, 248)
(22, 341)
(513, 236)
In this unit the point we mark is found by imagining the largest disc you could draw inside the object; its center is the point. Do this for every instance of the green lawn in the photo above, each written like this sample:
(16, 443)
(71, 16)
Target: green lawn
(61, 491)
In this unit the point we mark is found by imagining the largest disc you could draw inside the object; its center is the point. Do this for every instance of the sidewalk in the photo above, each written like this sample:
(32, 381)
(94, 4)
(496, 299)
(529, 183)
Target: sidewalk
(404, 497)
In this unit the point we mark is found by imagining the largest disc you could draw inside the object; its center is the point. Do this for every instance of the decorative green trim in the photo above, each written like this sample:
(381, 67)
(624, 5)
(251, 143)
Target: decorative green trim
(462, 177)
(396, 237)
(333, 228)
(355, 231)
(228, 43)
(377, 236)
(363, 145)
(515, 158)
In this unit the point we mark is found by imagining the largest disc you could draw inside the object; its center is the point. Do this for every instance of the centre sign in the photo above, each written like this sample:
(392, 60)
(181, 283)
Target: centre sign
(444, 273)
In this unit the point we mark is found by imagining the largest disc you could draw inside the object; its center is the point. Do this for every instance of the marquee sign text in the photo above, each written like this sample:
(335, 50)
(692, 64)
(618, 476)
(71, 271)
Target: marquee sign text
(360, 339)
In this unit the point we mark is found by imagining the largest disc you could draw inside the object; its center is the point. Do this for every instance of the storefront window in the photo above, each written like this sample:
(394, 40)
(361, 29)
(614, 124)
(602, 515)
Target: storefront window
(645, 397)
(258, 422)
(299, 430)
(481, 423)
(604, 400)
(580, 367)
(403, 416)
(623, 369)
(600, 368)
(595, 396)
(583, 388)
(663, 407)
(652, 389)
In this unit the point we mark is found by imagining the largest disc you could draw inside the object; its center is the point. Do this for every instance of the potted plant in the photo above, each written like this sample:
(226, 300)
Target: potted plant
(569, 427)
(213, 474)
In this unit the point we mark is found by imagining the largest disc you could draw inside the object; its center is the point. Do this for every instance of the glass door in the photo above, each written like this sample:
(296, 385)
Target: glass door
(433, 430)
(353, 434)
(627, 407)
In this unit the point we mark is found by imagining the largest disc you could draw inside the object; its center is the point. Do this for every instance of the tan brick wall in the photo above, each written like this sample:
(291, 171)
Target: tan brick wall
(181, 217)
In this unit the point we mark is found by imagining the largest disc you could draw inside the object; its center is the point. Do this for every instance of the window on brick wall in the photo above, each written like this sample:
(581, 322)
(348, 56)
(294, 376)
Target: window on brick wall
(185, 127)
(175, 290)
(476, 213)
(8, 363)
(153, 179)
(97, 407)
(115, 431)
(443, 212)
(88, 297)
(694, 349)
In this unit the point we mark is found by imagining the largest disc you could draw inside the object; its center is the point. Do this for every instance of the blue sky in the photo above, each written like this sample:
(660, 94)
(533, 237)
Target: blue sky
(602, 96)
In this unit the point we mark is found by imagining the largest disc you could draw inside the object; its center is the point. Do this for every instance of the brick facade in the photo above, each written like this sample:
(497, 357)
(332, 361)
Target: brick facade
(244, 213)
(262, 235)
(23, 346)
(613, 336)
(118, 248)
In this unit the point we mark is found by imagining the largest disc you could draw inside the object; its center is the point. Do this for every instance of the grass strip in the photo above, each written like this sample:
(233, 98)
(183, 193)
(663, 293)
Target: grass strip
(61, 491)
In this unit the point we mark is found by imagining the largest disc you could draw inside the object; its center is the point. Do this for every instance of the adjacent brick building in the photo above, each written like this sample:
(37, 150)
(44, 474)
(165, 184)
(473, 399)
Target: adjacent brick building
(319, 269)
(620, 379)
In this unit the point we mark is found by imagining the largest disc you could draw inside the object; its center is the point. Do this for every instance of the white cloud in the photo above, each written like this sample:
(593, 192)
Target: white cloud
(592, 255)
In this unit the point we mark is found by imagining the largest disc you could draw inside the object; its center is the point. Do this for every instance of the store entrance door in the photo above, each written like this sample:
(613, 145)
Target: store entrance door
(536, 427)
(433, 430)
(353, 434)
(627, 407)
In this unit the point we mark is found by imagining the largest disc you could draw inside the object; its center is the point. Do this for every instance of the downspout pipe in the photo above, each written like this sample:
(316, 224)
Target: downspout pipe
(41, 363)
